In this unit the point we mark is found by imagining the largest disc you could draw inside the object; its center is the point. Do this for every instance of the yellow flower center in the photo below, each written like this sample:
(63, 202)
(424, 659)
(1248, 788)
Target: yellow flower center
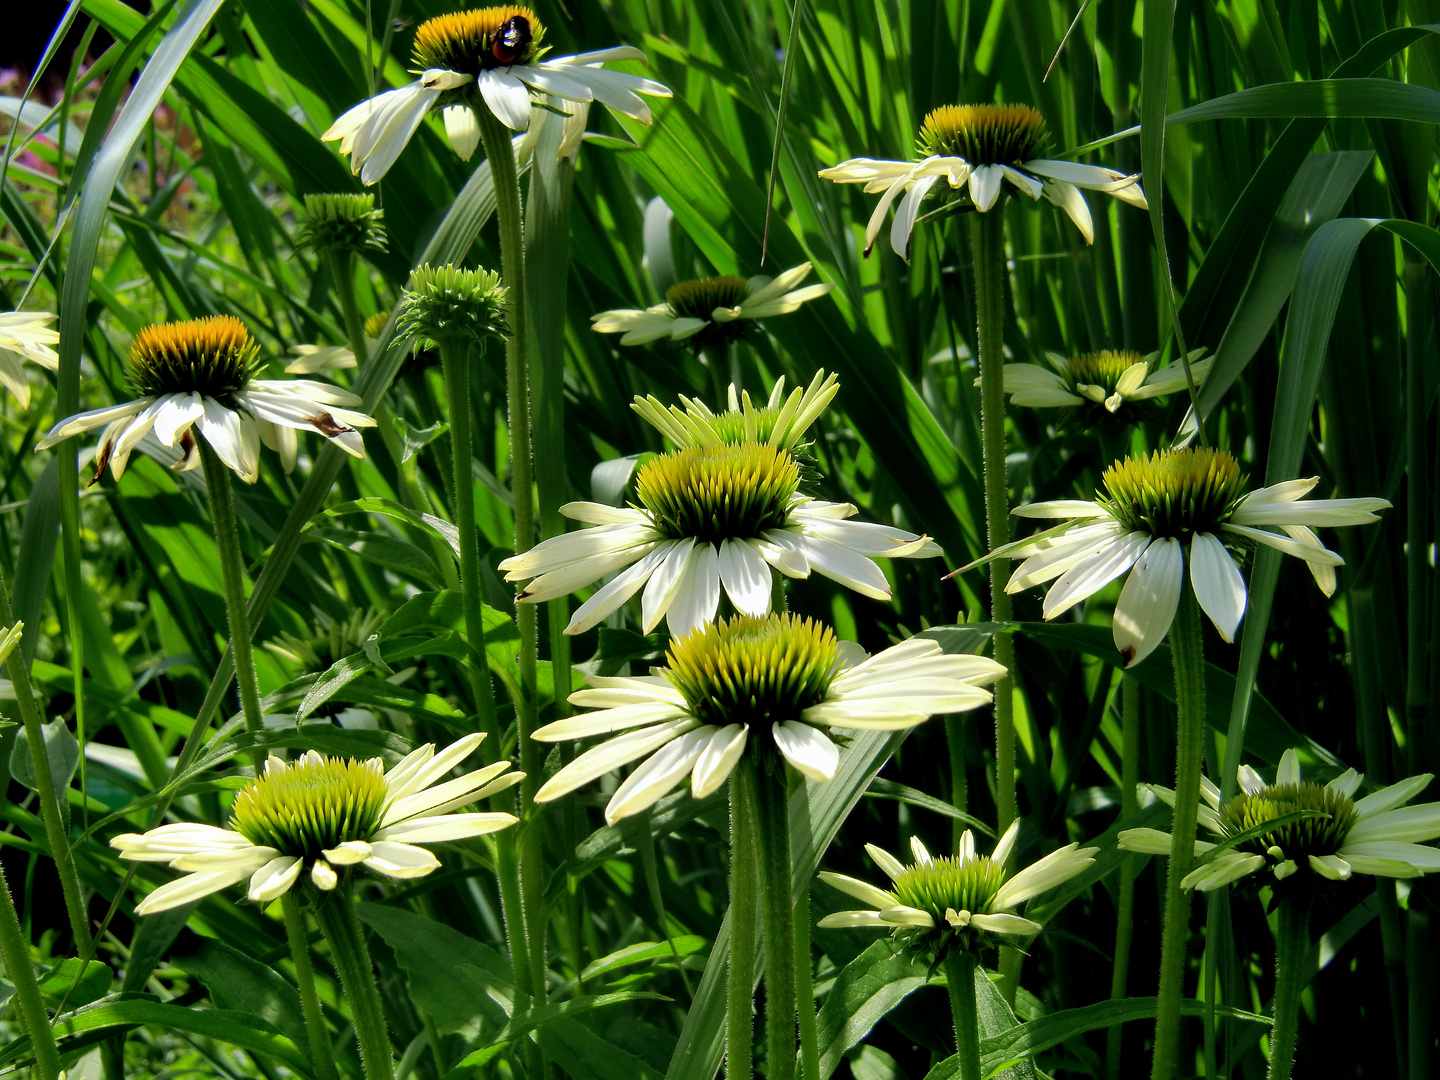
(215, 357)
(983, 134)
(1102, 368)
(718, 492)
(1173, 493)
(479, 40)
(754, 671)
(375, 323)
(946, 882)
(1323, 833)
(312, 805)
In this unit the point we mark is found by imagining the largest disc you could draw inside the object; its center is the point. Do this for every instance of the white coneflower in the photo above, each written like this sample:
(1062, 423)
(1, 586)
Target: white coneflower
(782, 421)
(710, 517)
(1154, 509)
(489, 58)
(310, 359)
(202, 374)
(1338, 837)
(953, 902)
(25, 335)
(712, 311)
(769, 684)
(1109, 378)
(323, 815)
(980, 148)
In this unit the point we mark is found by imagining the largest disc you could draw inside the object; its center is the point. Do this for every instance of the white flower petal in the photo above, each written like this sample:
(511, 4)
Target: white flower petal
(662, 771)
(608, 720)
(745, 576)
(860, 890)
(444, 827)
(887, 862)
(697, 593)
(610, 755)
(1005, 924)
(623, 586)
(274, 878)
(1288, 774)
(190, 887)
(1217, 583)
(670, 574)
(1331, 866)
(717, 759)
(1094, 572)
(348, 853)
(853, 920)
(399, 860)
(1147, 602)
(1397, 794)
(1057, 867)
(808, 749)
(507, 98)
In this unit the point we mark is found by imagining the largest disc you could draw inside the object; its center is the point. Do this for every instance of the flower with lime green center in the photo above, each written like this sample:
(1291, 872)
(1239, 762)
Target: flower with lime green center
(341, 223)
(376, 323)
(451, 303)
(1152, 510)
(955, 903)
(320, 815)
(203, 374)
(26, 335)
(711, 517)
(760, 686)
(980, 148)
(486, 58)
(1319, 828)
(782, 421)
(1109, 378)
(711, 312)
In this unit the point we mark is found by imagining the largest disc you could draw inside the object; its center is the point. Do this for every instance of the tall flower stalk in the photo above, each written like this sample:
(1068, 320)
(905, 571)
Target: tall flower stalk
(337, 227)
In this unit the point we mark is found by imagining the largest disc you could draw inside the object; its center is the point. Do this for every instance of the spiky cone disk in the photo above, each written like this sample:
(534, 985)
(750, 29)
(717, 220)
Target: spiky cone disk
(766, 686)
(320, 817)
(341, 223)
(980, 151)
(452, 303)
(1321, 832)
(1108, 379)
(961, 902)
(1159, 512)
(203, 374)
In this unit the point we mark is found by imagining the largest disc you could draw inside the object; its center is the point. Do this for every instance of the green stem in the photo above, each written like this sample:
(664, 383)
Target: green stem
(960, 981)
(232, 574)
(15, 951)
(805, 991)
(1125, 908)
(51, 811)
(987, 239)
(342, 269)
(336, 915)
(1292, 943)
(496, 139)
(462, 452)
(322, 1058)
(1187, 651)
(744, 914)
(779, 914)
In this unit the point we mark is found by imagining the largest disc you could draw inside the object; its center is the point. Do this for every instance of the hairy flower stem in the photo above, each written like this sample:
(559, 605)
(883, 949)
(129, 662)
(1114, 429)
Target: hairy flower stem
(342, 269)
(335, 912)
(496, 139)
(1292, 943)
(779, 915)
(50, 809)
(1187, 652)
(987, 241)
(1130, 691)
(15, 951)
(462, 451)
(322, 1058)
(960, 981)
(744, 915)
(232, 574)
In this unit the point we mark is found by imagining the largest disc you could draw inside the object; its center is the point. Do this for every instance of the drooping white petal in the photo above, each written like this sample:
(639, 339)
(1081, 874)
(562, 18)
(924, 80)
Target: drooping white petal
(348, 853)
(274, 878)
(745, 576)
(697, 593)
(1217, 583)
(443, 827)
(670, 574)
(661, 772)
(507, 98)
(1057, 867)
(1094, 572)
(906, 213)
(400, 860)
(852, 920)
(1068, 198)
(1147, 602)
(607, 720)
(717, 759)
(808, 749)
(901, 915)
(623, 586)
(1222, 870)
(1005, 924)
(1420, 856)
(1331, 866)
(610, 755)
(190, 887)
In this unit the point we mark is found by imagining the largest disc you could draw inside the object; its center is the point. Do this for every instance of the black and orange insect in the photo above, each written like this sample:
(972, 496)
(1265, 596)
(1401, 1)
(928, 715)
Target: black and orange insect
(511, 40)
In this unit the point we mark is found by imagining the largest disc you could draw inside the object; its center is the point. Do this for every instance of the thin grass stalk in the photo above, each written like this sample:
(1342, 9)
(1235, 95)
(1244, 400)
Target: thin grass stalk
(232, 575)
(1187, 654)
(51, 811)
(1130, 693)
(322, 1058)
(335, 913)
(805, 991)
(15, 951)
(744, 921)
(342, 269)
(960, 970)
(1292, 943)
(496, 139)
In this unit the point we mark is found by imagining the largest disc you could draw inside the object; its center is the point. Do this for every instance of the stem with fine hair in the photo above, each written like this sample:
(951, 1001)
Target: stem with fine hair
(987, 242)
(1187, 652)
(1292, 943)
(960, 981)
(51, 811)
(779, 915)
(744, 896)
(457, 397)
(322, 1058)
(495, 137)
(335, 912)
(1125, 907)
(15, 951)
(232, 575)
(342, 269)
